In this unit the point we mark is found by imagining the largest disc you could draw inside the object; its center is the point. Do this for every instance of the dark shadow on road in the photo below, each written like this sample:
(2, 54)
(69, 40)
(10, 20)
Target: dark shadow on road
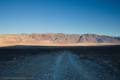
(60, 63)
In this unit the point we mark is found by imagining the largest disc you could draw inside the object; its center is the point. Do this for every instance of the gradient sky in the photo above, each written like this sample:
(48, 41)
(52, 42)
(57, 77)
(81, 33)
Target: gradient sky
(60, 16)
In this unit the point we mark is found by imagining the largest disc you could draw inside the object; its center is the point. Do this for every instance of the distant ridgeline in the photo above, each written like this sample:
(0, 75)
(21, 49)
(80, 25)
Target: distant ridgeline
(55, 38)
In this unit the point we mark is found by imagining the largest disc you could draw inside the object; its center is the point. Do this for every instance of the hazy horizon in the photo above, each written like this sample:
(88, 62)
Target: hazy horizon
(60, 16)
(63, 33)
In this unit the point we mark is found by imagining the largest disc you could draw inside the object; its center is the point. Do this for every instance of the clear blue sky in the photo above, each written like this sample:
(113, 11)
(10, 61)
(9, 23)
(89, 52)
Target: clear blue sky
(60, 16)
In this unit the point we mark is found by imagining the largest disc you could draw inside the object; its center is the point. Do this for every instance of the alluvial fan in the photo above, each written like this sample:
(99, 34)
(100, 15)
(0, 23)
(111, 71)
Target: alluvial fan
(100, 63)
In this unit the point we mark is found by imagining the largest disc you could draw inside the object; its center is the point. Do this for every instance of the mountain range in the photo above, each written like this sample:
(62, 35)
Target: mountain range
(57, 39)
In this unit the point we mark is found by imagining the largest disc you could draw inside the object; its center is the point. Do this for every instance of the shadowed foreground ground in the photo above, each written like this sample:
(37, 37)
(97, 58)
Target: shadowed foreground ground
(60, 63)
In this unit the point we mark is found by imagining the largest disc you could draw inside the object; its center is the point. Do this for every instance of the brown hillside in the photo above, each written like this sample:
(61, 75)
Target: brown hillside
(56, 39)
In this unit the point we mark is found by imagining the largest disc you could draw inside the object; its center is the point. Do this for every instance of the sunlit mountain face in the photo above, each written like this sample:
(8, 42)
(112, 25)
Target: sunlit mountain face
(58, 39)
(60, 63)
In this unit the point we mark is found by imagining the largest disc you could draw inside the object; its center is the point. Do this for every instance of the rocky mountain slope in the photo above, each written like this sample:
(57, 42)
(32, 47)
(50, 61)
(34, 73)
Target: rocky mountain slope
(59, 38)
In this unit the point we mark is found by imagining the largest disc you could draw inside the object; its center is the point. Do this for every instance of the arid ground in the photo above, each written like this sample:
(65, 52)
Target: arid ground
(60, 63)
